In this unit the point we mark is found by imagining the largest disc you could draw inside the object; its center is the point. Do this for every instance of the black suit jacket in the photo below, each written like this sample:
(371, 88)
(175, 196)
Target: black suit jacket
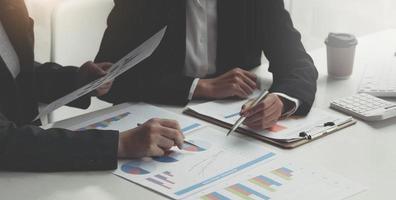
(24, 146)
(246, 28)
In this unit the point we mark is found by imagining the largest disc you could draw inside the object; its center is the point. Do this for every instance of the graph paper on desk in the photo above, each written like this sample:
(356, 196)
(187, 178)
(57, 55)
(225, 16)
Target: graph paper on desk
(284, 180)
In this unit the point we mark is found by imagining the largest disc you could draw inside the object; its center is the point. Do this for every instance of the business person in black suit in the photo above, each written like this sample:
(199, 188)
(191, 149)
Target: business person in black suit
(26, 147)
(218, 41)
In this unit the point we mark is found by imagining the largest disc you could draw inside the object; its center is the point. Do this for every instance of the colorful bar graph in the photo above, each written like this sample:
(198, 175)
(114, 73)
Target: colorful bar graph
(225, 174)
(163, 179)
(105, 123)
(214, 196)
(283, 173)
(168, 173)
(245, 192)
(159, 176)
(158, 182)
(265, 182)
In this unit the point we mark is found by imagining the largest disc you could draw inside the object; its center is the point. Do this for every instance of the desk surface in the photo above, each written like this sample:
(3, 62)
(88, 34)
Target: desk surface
(365, 153)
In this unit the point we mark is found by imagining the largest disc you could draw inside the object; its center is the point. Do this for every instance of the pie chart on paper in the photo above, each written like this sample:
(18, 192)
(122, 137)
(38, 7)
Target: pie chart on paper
(135, 168)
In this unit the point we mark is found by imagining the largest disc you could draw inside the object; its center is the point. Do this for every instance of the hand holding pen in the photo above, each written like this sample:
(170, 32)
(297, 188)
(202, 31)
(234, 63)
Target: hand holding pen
(153, 138)
(264, 114)
(243, 118)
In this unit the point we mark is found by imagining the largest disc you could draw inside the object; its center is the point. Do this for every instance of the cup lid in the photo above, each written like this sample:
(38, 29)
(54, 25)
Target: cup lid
(341, 40)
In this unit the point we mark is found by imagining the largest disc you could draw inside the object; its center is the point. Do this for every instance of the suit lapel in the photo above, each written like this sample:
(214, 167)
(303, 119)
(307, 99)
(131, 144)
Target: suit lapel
(19, 28)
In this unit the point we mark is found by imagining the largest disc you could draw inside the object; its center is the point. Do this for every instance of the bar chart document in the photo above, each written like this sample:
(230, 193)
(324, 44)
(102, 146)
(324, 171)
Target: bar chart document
(206, 159)
(284, 181)
(128, 117)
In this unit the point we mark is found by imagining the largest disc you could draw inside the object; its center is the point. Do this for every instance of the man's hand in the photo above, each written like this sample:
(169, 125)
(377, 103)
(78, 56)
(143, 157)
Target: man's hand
(235, 83)
(91, 71)
(265, 114)
(153, 138)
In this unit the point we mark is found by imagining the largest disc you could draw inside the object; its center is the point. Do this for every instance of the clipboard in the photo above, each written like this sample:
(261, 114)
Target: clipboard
(306, 135)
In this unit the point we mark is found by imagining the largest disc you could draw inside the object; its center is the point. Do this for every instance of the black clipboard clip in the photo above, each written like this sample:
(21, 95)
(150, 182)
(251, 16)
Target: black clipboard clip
(330, 125)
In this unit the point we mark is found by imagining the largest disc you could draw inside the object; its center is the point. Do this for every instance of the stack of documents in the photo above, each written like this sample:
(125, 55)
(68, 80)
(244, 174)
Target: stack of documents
(212, 166)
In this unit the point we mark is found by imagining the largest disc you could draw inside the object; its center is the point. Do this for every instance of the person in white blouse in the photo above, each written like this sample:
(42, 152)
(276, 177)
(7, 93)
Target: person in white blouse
(208, 52)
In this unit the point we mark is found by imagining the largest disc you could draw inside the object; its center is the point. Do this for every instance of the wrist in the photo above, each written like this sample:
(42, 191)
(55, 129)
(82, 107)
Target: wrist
(287, 105)
(203, 89)
(120, 152)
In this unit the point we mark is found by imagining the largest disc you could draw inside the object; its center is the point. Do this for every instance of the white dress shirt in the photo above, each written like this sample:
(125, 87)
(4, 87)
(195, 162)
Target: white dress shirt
(201, 34)
(8, 54)
(201, 44)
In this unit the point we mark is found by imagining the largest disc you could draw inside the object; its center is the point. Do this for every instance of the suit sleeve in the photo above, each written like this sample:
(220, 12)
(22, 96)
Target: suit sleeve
(294, 72)
(158, 79)
(55, 81)
(30, 148)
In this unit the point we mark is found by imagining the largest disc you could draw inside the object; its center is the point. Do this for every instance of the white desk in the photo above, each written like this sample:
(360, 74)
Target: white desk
(365, 153)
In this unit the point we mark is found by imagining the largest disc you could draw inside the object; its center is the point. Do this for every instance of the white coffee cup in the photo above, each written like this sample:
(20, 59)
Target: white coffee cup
(341, 49)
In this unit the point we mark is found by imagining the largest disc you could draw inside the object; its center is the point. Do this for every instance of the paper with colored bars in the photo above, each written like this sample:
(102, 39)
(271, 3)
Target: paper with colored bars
(132, 59)
(129, 116)
(226, 112)
(284, 181)
(206, 160)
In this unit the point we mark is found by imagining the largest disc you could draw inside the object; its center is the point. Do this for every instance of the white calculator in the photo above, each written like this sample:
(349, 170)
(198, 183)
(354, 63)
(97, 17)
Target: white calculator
(366, 107)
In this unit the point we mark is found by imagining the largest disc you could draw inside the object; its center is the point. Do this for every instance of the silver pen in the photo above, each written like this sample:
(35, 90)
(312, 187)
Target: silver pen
(242, 119)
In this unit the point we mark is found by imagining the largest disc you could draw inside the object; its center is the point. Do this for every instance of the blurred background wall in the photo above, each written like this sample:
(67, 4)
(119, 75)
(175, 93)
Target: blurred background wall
(314, 18)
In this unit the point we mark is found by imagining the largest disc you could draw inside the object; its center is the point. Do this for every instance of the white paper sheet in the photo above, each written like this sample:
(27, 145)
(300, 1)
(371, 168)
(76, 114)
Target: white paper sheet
(132, 59)
(284, 180)
(228, 111)
(208, 158)
(181, 173)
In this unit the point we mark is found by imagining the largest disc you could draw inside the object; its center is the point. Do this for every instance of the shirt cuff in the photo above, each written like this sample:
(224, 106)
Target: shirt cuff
(192, 89)
(293, 100)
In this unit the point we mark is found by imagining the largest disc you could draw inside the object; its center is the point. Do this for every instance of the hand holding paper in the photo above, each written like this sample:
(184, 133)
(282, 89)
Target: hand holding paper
(123, 65)
(90, 71)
